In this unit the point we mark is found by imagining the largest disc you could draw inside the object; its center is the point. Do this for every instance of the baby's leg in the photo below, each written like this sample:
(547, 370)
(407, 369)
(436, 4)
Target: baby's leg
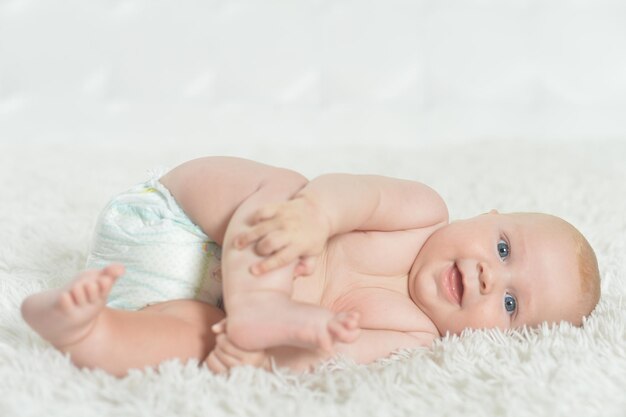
(220, 195)
(75, 320)
(261, 312)
(266, 319)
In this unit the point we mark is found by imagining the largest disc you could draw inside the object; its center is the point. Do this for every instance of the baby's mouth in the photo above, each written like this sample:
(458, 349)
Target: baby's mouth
(456, 283)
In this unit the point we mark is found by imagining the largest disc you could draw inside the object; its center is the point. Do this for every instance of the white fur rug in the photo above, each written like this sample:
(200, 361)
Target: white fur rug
(50, 197)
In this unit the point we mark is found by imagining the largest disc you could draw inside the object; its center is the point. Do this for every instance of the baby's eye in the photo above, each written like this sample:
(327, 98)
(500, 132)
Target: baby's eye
(503, 249)
(510, 303)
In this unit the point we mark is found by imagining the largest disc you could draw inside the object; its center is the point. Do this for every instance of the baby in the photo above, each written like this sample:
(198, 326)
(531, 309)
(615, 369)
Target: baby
(343, 264)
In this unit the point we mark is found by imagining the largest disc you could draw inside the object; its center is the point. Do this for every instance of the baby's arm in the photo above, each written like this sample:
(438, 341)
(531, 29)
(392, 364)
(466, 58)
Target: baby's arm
(374, 344)
(371, 202)
(338, 203)
(370, 346)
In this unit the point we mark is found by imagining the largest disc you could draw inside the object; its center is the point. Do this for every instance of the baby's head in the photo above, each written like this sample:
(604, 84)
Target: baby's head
(504, 271)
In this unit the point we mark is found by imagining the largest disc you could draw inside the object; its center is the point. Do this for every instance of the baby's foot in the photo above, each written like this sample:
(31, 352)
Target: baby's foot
(344, 327)
(65, 316)
(262, 320)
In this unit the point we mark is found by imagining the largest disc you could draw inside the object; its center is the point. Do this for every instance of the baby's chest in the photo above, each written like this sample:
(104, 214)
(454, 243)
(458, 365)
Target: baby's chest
(383, 302)
(368, 273)
(375, 253)
(381, 305)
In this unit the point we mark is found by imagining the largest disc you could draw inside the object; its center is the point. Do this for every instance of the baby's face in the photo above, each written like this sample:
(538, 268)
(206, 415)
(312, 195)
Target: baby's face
(497, 270)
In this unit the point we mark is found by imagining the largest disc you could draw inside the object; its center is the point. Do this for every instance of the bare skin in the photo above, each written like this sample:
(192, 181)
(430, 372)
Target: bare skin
(262, 313)
(297, 321)
(74, 319)
(386, 262)
(266, 319)
(66, 316)
(318, 311)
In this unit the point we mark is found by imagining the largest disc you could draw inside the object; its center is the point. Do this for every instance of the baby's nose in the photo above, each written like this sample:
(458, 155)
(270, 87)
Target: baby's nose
(485, 278)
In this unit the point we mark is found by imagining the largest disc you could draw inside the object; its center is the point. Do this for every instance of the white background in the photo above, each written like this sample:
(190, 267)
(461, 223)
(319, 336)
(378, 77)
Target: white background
(384, 72)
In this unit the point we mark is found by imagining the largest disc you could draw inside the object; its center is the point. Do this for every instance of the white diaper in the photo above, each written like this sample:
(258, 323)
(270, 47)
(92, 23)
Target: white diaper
(167, 257)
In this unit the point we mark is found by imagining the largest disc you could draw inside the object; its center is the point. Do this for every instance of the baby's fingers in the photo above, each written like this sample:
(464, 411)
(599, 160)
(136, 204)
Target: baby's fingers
(224, 356)
(278, 260)
(264, 213)
(272, 242)
(215, 364)
(225, 347)
(306, 266)
(254, 234)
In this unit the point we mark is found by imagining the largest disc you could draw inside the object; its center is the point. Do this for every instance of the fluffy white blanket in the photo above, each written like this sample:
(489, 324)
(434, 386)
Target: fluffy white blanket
(51, 195)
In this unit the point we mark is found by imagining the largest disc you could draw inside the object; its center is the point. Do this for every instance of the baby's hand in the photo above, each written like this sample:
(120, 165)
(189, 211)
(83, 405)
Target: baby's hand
(285, 232)
(226, 355)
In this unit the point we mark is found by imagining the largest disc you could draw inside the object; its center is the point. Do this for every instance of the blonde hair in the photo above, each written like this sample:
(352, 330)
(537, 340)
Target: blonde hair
(587, 269)
(589, 273)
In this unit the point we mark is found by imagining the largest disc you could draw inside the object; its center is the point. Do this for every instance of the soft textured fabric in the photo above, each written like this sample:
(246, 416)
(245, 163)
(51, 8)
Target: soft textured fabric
(166, 256)
(52, 195)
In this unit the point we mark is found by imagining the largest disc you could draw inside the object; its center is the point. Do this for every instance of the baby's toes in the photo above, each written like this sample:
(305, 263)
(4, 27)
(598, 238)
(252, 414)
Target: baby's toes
(78, 293)
(114, 270)
(350, 320)
(105, 283)
(92, 291)
(326, 339)
(66, 302)
(345, 327)
(341, 333)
